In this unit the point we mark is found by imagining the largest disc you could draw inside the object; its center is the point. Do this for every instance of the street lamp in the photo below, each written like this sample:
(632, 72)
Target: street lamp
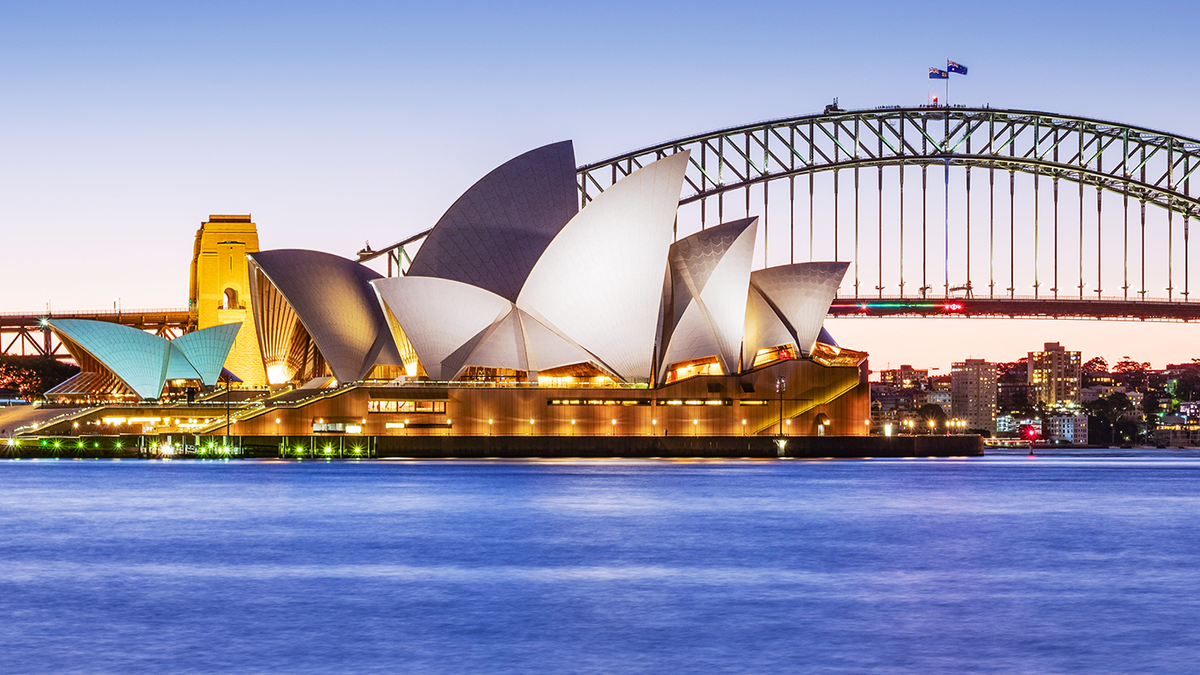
(780, 385)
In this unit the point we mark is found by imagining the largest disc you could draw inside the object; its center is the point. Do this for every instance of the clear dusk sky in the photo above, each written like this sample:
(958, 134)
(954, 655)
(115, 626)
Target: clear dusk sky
(123, 124)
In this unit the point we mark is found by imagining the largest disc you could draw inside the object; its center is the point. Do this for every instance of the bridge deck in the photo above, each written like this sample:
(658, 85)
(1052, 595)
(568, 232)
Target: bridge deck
(24, 333)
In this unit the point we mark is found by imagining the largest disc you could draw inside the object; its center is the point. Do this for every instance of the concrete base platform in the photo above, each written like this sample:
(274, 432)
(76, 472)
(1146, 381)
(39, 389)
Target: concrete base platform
(518, 447)
(678, 446)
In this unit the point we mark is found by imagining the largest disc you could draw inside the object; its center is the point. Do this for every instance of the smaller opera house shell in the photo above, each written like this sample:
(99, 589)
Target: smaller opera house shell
(517, 287)
(124, 362)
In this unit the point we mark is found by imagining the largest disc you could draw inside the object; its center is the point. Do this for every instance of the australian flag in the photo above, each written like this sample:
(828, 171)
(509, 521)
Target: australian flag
(938, 74)
(956, 68)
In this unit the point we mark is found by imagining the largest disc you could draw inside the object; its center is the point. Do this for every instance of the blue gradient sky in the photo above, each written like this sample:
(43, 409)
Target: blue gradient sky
(123, 125)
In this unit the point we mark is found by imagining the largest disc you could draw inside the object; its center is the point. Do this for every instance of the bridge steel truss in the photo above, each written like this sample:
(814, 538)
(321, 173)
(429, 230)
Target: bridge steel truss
(23, 334)
(1144, 167)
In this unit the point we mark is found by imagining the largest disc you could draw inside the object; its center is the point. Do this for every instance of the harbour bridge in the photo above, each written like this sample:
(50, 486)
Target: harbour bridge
(972, 211)
(942, 211)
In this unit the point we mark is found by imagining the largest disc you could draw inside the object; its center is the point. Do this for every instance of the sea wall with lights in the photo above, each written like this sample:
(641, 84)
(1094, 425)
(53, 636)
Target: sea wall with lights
(814, 400)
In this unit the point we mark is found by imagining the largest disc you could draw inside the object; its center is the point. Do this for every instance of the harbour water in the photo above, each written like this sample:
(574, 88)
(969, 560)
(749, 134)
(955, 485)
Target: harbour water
(1002, 564)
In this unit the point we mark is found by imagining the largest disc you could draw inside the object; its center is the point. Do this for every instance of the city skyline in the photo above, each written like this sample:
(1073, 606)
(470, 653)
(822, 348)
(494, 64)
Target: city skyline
(137, 124)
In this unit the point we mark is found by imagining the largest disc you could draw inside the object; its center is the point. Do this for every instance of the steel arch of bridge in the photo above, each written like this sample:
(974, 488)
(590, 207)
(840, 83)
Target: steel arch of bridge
(1139, 164)
(1148, 169)
(1011, 140)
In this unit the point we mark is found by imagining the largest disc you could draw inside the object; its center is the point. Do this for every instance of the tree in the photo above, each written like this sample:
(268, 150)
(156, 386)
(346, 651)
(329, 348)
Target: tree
(1150, 403)
(1013, 370)
(1109, 410)
(1131, 373)
(1097, 365)
(33, 376)
(932, 412)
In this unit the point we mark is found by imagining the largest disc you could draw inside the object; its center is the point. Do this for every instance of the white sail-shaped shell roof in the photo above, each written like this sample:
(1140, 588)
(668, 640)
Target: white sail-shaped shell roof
(546, 349)
(144, 362)
(764, 328)
(520, 342)
(593, 282)
(496, 231)
(332, 298)
(798, 296)
(704, 304)
(136, 357)
(469, 326)
(206, 350)
(440, 316)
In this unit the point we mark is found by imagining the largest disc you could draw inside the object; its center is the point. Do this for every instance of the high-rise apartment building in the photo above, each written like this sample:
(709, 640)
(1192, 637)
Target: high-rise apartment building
(973, 393)
(1054, 375)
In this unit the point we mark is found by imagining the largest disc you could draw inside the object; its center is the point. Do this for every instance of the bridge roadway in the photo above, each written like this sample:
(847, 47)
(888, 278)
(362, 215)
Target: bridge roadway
(25, 333)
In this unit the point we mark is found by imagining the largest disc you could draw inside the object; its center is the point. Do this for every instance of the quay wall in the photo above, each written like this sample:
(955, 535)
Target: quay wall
(516, 447)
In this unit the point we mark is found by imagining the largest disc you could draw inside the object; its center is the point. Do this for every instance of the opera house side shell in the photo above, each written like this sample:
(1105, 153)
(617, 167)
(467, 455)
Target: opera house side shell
(127, 360)
(316, 315)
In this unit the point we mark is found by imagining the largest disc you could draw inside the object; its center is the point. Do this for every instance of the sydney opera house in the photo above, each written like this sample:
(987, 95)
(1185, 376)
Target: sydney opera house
(520, 314)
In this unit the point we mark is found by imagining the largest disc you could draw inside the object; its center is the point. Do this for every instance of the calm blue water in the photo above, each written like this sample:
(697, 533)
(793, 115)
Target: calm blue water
(993, 565)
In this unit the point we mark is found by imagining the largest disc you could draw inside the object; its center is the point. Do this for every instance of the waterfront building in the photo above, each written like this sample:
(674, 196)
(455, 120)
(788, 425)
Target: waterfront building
(523, 314)
(1177, 434)
(1190, 410)
(1053, 375)
(973, 393)
(1068, 428)
(1009, 425)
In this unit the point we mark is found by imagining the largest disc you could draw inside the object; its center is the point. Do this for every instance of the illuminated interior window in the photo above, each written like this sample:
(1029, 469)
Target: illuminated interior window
(574, 375)
(688, 369)
(773, 354)
(390, 406)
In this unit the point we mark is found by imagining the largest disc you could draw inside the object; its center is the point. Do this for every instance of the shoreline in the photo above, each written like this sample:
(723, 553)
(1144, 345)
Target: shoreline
(523, 447)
